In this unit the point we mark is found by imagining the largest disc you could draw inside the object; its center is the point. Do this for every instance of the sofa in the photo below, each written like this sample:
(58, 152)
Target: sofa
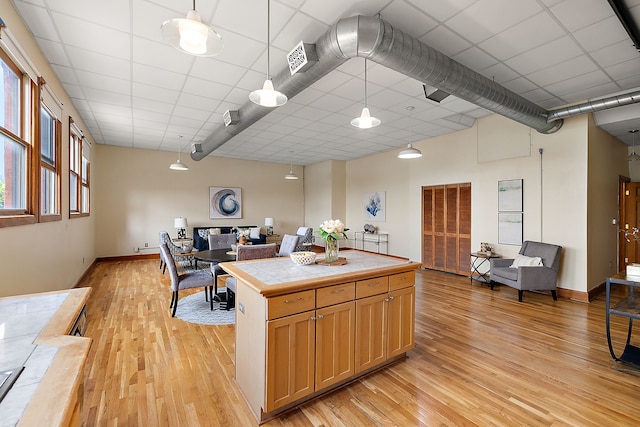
(201, 240)
(534, 268)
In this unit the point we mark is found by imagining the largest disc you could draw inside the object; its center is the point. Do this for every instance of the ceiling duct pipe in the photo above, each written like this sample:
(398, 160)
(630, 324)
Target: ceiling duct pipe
(593, 106)
(378, 41)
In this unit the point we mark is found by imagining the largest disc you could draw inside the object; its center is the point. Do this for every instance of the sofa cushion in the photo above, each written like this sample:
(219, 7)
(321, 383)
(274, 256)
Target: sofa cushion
(526, 261)
(254, 233)
(506, 272)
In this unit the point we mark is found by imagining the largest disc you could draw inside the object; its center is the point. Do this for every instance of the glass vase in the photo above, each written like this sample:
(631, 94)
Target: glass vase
(331, 250)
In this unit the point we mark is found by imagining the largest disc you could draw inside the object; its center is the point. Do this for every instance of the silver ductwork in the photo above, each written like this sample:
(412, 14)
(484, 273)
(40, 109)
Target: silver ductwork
(378, 41)
(593, 106)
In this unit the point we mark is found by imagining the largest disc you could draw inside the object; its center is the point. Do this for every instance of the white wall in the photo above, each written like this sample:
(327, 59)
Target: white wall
(137, 195)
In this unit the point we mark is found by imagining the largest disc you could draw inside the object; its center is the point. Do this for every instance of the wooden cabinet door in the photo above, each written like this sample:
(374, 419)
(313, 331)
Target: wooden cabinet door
(290, 359)
(335, 328)
(402, 305)
(371, 332)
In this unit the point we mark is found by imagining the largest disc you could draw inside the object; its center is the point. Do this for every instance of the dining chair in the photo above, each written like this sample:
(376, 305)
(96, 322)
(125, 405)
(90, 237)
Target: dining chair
(195, 279)
(289, 244)
(244, 253)
(219, 241)
(163, 237)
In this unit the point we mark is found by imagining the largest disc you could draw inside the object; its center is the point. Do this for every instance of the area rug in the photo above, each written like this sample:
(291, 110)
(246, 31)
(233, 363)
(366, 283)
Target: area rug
(195, 309)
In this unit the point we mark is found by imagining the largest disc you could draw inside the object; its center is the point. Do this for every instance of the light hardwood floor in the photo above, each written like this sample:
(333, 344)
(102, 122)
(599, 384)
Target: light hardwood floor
(481, 359)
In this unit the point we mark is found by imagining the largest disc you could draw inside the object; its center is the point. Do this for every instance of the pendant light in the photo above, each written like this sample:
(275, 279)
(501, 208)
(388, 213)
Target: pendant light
(190, 35)
(365, 121)
(633, 156)
(179, 166)
(410, 153)
(268, 96)
(291, 175)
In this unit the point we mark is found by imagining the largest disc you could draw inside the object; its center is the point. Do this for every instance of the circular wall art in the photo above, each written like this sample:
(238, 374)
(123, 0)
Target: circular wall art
(225, 202)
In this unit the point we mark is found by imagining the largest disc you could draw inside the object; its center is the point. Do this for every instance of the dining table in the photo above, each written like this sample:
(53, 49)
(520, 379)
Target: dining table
(214, 256)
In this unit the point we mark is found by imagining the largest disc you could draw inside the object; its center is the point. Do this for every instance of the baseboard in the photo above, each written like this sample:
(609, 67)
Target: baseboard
(573, 294)
(128, 257)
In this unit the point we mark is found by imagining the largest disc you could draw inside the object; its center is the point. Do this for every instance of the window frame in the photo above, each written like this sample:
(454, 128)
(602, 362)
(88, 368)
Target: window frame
(81, 176)
(56, 168)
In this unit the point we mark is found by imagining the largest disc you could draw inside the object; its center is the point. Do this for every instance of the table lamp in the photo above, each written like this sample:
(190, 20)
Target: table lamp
(180, 223)
(268, 222)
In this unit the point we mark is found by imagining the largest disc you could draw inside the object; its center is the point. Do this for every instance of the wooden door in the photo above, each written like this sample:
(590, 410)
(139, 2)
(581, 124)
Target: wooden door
(371, 332)
(290, 359)
(631, 249)
(401, 321)
(446, 227)
(335, 328)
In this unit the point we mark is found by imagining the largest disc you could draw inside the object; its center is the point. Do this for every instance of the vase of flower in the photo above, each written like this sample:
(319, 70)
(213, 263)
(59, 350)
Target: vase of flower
(332, 231)
(331, 250)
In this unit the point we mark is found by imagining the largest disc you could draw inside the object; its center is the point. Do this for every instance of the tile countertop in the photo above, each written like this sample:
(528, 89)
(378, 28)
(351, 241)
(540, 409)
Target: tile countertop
(33, 332)
(272, 276)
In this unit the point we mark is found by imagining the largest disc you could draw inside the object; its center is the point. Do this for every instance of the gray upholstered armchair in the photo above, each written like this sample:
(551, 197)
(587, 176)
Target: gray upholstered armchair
(536, 268)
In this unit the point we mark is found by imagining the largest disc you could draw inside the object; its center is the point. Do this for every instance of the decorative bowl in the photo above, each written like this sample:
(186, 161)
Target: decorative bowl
(303, 258)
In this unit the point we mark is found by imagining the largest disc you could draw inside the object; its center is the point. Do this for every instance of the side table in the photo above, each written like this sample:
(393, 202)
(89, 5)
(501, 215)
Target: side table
(628, 307)
(478, 259)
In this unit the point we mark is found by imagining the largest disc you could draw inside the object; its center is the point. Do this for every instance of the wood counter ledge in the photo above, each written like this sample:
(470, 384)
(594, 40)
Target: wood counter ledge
(57, 396)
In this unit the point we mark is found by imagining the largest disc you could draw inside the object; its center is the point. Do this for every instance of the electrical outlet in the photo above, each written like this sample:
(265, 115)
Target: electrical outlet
(136, 249)
(146, 244)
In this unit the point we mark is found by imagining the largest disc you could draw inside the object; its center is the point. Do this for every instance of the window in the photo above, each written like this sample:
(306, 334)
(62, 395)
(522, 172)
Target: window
(30, 140)
(79, 170)
(50, 140)
(14, 157)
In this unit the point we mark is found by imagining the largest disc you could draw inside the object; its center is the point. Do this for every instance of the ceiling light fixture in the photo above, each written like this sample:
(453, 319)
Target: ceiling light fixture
(291, 175)
(190, 35)
(410, 153)
(179, 166)
(365, 121)
(633, 156)
(268, 96)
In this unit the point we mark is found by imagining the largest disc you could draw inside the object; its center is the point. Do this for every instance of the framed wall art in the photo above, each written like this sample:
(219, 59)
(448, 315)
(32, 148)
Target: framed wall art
(374, 206)
(510, 195)
(225, 202)
(510, 228)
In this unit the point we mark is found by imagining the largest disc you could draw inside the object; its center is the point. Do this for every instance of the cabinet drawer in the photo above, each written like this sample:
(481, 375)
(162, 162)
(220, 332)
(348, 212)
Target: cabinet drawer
(286, 305)
(402, 280)
(335, 294)
(375, 286)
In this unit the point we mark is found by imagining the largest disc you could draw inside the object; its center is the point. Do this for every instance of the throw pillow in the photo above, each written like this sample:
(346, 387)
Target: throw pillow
(215, 231)
(521, 260)
(255, 233)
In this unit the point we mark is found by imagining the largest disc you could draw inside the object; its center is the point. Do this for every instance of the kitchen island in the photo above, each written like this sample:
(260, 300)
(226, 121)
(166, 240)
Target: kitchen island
(37, 333)
(304, 330)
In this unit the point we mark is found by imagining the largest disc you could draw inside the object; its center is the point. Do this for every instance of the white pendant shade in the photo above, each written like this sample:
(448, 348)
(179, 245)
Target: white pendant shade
(410, 153)
(267, 96)
(365, 121)
(190, 35)
(291, 175)
(633, 156)
(178, 166)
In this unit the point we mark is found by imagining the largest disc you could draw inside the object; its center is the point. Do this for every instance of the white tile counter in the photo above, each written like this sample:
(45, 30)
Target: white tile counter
(33, 332)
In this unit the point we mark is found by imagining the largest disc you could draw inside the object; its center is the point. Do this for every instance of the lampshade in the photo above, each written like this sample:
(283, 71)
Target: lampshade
(180, 222)
(268, 222)
(365, 121)
(291, 175)
(190, 35)
(178, 166)
(410, 153)
(268, 96)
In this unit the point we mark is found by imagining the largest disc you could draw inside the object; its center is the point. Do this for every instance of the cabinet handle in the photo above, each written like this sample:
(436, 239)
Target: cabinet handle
(289, 301)
(313, 318)
(374, 283)
(337, 291)
(391, 297)
(320, 316)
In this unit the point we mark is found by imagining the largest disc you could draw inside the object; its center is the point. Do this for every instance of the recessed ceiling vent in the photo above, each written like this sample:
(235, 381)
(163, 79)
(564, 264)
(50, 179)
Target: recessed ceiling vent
(302, 57)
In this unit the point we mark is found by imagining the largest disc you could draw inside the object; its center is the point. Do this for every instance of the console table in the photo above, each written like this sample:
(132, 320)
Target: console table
(375, 238)
(628, 307)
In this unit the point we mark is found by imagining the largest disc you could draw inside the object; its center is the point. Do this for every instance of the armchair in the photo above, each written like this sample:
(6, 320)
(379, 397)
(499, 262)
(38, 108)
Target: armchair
(523, 274)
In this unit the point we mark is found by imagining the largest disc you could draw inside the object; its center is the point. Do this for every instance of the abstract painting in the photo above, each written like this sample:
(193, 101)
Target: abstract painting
(225, 202)
(510, 228)
(374, 206)
(510, 195)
